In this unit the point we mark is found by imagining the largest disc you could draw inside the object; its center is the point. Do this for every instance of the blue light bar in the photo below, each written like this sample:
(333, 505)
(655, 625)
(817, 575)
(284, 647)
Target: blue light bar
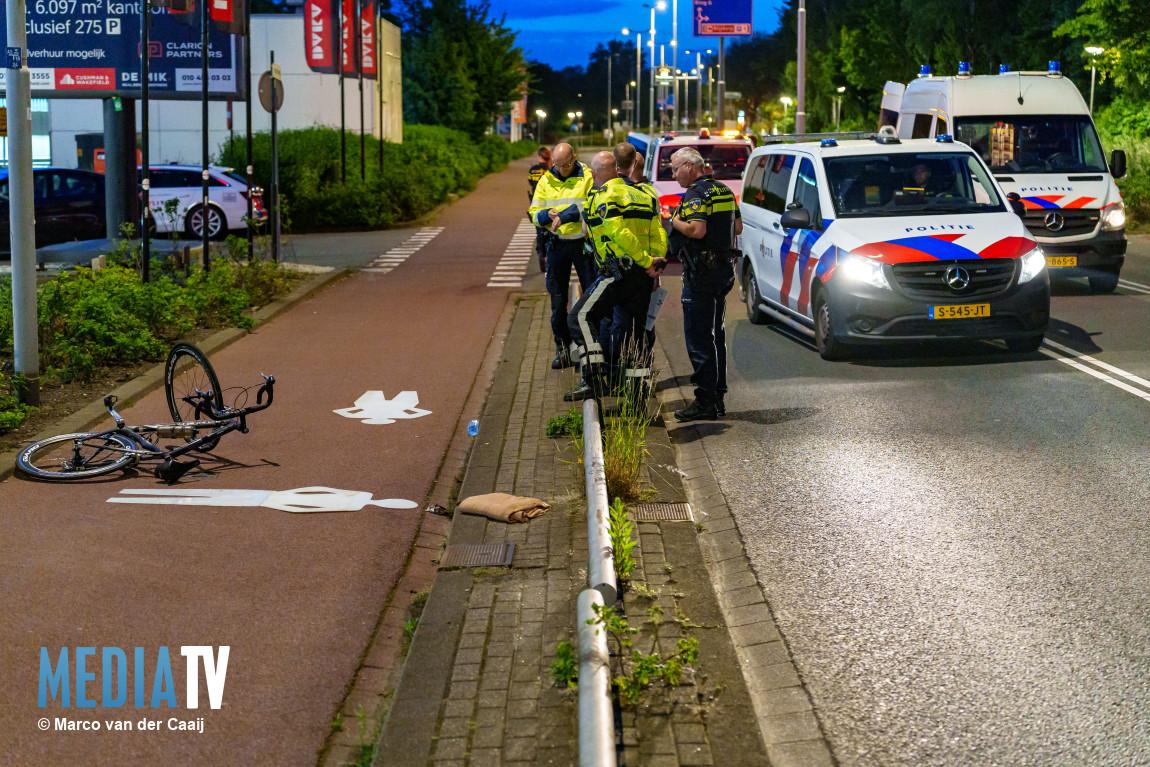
(924, 70)
(829, 142)
(964, 68)
(1054, 68)
(1003, 69)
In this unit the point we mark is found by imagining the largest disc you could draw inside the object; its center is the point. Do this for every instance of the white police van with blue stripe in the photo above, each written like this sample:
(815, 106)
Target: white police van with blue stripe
(876, 240)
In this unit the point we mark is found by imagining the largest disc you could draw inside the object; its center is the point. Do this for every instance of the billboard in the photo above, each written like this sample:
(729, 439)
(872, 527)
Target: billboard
(722, 18)
(81, 49)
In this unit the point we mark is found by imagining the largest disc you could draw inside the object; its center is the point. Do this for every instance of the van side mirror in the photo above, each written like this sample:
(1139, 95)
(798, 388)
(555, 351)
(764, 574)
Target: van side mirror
(1118, 163)
(1016, 203)
(796, 218)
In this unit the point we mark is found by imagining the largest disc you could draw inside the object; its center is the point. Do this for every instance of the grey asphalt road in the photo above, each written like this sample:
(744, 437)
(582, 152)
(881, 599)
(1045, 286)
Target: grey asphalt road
(954, 540)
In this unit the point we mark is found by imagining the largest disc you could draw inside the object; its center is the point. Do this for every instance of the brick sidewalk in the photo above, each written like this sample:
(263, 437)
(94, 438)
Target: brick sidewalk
(476, 688)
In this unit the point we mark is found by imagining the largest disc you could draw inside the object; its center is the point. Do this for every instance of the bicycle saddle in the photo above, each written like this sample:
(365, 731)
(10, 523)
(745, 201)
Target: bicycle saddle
(171, 470)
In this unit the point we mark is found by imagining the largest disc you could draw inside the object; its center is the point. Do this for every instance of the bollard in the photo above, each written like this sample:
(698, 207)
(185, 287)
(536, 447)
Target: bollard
(596, 718)
(601, 559)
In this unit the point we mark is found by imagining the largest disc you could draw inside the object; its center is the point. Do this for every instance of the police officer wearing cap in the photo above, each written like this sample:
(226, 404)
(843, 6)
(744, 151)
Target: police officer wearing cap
(630, 244)
(534, 173)
(557, 206)
(704, 227)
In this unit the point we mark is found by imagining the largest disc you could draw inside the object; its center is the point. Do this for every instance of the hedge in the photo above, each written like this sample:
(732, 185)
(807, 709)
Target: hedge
(418, 174)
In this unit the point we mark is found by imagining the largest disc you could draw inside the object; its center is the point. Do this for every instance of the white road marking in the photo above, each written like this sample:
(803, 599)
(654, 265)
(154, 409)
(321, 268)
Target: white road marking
(397, 255)
(1081, 362)
(512, 266)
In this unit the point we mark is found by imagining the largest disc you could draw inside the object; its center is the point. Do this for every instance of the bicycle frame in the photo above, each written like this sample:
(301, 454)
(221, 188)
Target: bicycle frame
(220, 422)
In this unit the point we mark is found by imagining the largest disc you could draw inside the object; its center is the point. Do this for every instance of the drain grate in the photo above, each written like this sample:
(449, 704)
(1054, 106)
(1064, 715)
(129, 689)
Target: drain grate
(478, 555)
(661, 512)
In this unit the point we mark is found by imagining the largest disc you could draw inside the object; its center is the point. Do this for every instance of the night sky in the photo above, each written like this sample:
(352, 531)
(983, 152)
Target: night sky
(564, 34)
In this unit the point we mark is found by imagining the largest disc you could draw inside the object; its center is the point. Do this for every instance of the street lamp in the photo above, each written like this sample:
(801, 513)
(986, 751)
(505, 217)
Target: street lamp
(786, 105)
(839, 105)
(636, 110)
(539, 117)
(661, 5)
(1093, 50)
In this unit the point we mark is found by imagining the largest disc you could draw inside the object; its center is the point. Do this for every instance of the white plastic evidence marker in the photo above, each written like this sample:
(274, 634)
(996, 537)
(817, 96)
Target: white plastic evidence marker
(374, 408)
(302, 499)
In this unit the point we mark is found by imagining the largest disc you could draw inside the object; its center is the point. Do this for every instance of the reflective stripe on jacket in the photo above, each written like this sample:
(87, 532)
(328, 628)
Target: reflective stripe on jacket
(625, 219)
(561, 194)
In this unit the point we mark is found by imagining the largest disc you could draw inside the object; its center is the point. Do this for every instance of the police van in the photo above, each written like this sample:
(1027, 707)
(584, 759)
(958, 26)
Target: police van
(878, 240)
(727, 156)
(1035, 132)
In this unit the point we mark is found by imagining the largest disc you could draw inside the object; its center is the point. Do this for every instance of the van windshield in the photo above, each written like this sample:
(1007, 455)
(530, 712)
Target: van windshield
(1034, 143)
(910, 184)
(728, 160)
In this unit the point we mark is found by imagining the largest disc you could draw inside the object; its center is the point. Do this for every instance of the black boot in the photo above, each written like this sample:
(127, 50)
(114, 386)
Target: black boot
(720, 408)
(699, 410)
(562, 358)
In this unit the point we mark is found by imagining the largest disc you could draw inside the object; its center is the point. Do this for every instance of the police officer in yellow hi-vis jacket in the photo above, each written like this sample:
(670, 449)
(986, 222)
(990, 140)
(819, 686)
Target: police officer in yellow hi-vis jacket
(630, 244)
(563, 188)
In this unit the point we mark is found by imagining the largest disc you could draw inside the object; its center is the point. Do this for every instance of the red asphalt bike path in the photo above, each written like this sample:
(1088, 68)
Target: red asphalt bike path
(295, 596)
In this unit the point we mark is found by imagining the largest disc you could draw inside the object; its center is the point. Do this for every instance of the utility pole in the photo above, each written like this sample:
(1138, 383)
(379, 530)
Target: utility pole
(675, 56)
(720, 106)
(610, 122)
(801, 109)
(248, 90)
(205, 211)
(146, 159)
(21, 208)
(342, 110)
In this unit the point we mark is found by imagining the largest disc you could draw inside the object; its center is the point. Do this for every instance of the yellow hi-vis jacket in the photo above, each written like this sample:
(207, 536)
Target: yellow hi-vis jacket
(625, 219)
(562, 194)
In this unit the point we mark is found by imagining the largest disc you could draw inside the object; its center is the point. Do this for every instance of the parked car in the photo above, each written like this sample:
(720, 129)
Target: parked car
(227, 200)
(69, 206)
(884, 241)
(727, 156)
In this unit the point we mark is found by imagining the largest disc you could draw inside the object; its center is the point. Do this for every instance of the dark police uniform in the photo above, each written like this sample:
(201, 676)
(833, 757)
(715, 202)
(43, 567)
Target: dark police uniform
(708, 276)
(534, 173)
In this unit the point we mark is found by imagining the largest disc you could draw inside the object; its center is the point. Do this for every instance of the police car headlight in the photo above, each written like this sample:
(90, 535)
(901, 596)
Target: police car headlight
(1032, 264)
(864, 270)
(1114, 217)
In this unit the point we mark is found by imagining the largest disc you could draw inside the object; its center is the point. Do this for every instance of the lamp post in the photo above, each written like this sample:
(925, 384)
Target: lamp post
(675, 54)
(786, 105)
(539, 116)
(839, 105)
(579, 122)
(1094, 51)
(661, 5)
(635, 111)
(610, 122)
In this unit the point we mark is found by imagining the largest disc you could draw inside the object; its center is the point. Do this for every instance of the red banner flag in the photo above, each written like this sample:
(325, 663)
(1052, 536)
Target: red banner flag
(367, 46)
(319, 40)
(350, 40)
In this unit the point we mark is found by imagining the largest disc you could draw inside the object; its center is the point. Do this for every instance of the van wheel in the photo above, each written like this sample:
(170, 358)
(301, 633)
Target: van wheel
(830, 348)
(1104, 280)
(1024, 345)
(752, 298)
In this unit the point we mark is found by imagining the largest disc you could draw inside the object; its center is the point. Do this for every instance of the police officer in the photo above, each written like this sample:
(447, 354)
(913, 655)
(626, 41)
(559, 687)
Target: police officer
(704, 226)
(630, 244)
(534, 173)
(564, 187)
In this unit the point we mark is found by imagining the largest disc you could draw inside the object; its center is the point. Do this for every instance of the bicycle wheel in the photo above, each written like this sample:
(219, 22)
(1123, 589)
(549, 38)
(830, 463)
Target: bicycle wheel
(186, 373)
(76, 456)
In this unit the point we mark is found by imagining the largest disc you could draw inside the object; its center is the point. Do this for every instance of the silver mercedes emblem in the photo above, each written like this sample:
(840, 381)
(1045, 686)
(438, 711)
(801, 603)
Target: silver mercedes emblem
(1054, 222)
(957, 278)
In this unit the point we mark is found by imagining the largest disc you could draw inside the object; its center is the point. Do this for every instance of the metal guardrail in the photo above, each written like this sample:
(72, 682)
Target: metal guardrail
(596, 717)
(601, 559)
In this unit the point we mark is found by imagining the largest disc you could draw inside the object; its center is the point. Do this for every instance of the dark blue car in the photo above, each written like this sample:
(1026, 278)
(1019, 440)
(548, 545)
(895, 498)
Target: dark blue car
(69, 206)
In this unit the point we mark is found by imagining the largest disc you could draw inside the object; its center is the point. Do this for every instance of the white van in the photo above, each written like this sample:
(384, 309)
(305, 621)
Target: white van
(727, 156)
(1035, 132)
(879, 241)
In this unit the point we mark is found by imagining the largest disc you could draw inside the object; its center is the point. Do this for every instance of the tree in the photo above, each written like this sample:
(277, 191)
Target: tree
(459, 67)
(1119, 27)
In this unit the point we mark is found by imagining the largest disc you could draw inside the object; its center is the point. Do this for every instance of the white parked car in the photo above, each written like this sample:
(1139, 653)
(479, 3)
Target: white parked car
(227, 200)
